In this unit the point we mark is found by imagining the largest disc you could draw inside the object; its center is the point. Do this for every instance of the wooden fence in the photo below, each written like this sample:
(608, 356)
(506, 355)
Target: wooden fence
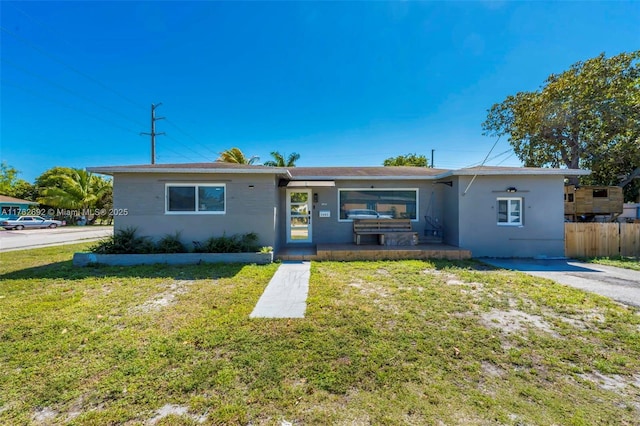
(601, 239)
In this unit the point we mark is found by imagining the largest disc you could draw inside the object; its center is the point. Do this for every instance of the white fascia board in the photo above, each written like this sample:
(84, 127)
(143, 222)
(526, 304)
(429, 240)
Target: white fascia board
(112, 170)
(334, 178)
(516, 172)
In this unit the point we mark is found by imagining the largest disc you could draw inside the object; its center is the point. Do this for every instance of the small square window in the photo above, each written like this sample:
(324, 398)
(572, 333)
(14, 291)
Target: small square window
(510, 211)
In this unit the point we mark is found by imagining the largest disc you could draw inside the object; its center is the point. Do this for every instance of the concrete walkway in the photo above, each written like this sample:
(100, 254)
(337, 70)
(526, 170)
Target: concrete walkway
(622, 285)
(286, 294)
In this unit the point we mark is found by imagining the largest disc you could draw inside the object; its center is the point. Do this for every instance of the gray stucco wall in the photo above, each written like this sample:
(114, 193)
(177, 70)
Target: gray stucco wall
(450, 202)
(332, 230)
(542, 231)
(248, 209)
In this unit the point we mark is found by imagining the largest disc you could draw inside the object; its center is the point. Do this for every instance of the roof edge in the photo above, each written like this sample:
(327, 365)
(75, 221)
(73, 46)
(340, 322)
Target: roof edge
(516, 171)
(111, 170)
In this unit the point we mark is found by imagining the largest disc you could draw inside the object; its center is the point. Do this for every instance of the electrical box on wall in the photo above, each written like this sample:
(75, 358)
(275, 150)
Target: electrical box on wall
(324, 213)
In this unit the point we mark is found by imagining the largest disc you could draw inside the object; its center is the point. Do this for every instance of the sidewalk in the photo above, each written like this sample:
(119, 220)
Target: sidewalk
(286, 294)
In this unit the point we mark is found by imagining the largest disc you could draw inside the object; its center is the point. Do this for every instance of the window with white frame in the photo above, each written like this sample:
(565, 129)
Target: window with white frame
(202, 198)
(378, 203)
(510, 211)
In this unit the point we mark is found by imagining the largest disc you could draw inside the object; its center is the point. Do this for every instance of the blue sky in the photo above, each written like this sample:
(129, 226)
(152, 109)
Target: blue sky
(341, 83)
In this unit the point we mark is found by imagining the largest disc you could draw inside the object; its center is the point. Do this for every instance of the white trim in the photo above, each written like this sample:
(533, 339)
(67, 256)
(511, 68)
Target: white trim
(516, 171)
(182, 170)
(310, 216)
(417, 191)
(195, 185)
(311, 184)
(367, 177)
(509, 223)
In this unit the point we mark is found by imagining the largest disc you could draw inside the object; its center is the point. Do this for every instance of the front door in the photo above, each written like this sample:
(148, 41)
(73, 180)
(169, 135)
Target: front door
(298, 215)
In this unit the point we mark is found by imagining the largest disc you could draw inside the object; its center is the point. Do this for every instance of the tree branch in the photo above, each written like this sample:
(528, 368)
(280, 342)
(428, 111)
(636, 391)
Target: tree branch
(633, 175)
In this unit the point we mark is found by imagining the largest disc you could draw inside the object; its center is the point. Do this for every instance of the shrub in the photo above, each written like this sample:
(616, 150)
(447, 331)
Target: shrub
(244, 243)
(170, 243)
(124, 241)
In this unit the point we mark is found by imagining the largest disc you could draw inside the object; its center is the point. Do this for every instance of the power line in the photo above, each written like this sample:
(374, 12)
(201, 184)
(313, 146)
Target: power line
(58, 102)
(40, 23)
(66, 89)
(187, 147)
(512, 154)
(55, 58)
(60, 61)
(190, 136)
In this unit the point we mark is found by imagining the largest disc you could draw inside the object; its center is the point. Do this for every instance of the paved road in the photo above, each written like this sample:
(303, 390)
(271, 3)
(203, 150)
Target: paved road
(622, 285)
(33, 238)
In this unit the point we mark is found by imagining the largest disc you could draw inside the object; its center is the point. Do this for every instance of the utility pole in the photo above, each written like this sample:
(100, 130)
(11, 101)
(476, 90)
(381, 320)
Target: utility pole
(153, 133)
(432, 157)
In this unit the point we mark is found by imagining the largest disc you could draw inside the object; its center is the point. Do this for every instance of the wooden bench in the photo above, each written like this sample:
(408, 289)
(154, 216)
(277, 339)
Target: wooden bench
(396, 232)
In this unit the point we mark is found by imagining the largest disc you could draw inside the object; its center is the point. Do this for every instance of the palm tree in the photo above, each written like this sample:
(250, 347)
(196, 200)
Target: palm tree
(279, 160)
(75, 189)
(234, 155)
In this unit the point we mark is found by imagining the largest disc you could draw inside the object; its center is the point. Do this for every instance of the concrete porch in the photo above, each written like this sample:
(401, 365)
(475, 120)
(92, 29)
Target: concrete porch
(345, 252)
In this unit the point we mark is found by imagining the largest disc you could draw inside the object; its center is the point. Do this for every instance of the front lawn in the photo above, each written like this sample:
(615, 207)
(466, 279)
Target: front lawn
(398, 342)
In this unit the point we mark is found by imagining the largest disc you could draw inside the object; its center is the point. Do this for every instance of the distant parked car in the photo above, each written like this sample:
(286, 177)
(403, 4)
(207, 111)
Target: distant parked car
(366, 214)
(30, 222)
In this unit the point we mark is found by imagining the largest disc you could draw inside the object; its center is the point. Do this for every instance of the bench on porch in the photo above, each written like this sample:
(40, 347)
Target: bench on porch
(390, 232)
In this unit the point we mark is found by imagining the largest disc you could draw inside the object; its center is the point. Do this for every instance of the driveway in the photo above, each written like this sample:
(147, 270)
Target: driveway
(622, 285)
(33, 238)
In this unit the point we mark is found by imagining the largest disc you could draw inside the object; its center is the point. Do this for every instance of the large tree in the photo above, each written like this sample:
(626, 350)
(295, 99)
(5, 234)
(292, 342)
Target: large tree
(279, 160)
(586, 117)
(235, 155)
(8, 178)
(12, 186)
(413, 160)
(68, 188)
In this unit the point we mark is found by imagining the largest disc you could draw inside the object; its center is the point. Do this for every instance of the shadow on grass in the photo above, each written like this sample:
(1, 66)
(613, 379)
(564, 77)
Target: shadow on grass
(66, 270)
(471, 264)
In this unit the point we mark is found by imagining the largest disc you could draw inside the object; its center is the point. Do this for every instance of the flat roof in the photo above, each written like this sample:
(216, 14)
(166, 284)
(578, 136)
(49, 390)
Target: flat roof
(214, 167)
(337, 173)
(496, 171)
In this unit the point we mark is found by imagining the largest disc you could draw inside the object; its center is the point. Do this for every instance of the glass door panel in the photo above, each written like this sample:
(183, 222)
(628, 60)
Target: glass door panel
(298, 216)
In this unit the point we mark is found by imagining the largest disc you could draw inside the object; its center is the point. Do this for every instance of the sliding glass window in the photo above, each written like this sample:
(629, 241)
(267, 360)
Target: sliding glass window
(195, 199)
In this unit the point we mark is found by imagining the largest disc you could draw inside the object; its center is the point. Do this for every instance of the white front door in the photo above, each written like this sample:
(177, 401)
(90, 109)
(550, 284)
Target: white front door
(298, 215)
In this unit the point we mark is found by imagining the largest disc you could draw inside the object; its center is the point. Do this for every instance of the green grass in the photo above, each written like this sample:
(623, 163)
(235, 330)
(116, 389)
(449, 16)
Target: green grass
(620, 262)
(398, 342)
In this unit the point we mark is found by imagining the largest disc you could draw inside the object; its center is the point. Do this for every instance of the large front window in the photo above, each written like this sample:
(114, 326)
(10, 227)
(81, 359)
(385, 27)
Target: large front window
(509, 211)
(378, 204)
(195, 198)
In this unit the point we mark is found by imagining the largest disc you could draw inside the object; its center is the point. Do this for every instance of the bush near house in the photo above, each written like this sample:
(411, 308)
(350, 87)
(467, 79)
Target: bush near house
(126, 241)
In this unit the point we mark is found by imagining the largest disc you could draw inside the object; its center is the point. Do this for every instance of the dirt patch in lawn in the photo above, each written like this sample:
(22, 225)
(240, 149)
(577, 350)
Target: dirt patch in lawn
(164, 299)
(44, 415)
(175, 410)
(514, 321)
